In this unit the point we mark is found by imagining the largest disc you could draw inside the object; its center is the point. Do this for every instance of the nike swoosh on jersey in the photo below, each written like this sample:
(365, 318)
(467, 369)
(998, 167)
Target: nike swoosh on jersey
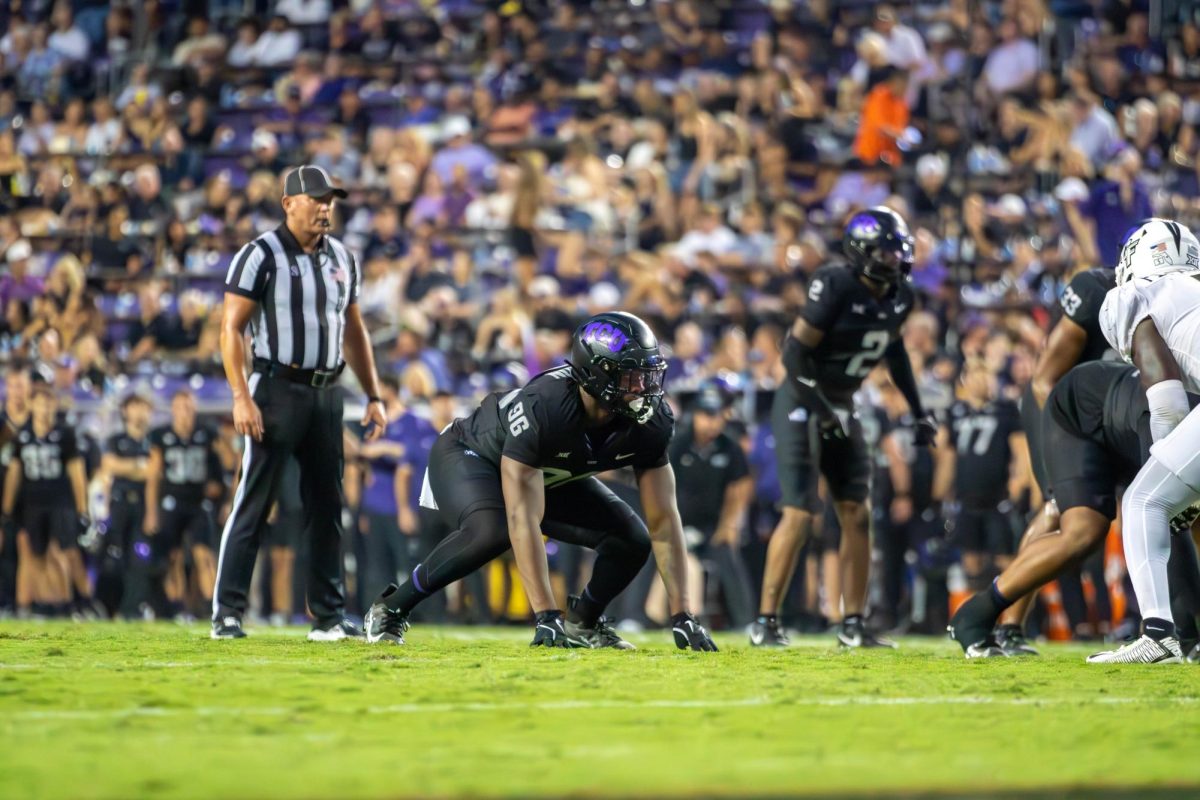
(624, 456)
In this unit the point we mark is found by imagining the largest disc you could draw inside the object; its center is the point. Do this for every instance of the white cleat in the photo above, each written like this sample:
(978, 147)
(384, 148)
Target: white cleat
(1142, 650)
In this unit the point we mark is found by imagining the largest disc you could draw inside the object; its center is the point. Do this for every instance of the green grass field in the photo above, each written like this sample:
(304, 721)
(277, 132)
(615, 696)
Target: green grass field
(119, 711)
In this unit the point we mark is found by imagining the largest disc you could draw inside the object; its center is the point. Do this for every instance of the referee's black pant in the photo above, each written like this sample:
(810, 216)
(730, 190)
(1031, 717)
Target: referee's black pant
(307, 422)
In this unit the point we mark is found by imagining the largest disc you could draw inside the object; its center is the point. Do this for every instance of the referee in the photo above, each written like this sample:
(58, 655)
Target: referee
(297, 288)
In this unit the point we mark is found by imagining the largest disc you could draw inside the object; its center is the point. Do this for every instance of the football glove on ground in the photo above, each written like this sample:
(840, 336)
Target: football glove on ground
(549, 632)
(690, 634)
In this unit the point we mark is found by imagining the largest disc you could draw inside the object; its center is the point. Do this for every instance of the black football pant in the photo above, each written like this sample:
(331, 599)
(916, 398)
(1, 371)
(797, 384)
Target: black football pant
(124, 581)
(306, 422)
(470, 502)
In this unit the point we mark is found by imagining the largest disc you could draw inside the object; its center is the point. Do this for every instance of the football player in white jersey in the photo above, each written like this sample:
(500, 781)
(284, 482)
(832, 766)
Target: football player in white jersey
(1152, 318)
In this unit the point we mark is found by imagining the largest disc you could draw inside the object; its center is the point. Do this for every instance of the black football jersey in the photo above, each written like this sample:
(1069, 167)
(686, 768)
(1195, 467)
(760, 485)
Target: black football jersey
(188, 464)
(122, 445)
(44, 480)
(1081, 301)
(542, 425)
(981, 442)
(857, 326)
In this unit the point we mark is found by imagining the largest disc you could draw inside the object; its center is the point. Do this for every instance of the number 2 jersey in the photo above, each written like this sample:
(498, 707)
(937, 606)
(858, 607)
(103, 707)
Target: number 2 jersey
(44, 479)
(543, 425)
(858, 328)
(188, 463)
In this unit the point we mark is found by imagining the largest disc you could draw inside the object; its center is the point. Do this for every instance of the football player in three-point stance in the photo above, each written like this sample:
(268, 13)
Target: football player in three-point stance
(523, 464)
(850, 323)
(1075, 339)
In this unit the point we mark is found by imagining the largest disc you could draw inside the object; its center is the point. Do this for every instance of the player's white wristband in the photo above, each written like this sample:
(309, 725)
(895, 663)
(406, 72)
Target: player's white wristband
(1168, 406)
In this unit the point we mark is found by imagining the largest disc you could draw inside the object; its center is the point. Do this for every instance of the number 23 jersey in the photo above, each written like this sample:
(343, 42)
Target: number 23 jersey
(543, 425)
(858, 327)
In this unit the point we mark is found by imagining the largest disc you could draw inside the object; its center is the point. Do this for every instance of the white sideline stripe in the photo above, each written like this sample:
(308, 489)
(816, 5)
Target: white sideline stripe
(588, 705)
(237, 503)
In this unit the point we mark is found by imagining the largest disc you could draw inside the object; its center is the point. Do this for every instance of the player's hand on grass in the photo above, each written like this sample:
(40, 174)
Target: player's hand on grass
(549, 631)
(926, 431)
(690, 634)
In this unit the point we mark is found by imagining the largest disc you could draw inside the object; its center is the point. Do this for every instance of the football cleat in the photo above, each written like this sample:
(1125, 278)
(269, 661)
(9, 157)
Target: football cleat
(227, 628)
(1193, 656)
(1011, 639)
(343, 629)
(601, 635)
(1142, 650)
(767, 632)
(384, 625)
(987, 648)
(854, 634)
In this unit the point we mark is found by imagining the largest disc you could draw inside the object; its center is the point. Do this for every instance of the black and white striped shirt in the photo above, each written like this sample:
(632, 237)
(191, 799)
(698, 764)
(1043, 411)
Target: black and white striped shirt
(302, 298)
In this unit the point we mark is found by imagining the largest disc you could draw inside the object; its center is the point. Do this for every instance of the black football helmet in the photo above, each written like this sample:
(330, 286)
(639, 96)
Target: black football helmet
(879, 246)
(615, 355)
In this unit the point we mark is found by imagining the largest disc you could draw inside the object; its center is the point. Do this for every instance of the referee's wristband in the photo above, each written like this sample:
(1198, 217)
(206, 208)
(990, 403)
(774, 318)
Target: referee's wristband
(374, 398)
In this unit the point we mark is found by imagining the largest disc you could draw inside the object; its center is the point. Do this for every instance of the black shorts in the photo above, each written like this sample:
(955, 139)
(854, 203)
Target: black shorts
(185, 524)
(985, 531)
(1033, 421)
(462, 483)
(802, 456)
(1083, 472)
(46, 524)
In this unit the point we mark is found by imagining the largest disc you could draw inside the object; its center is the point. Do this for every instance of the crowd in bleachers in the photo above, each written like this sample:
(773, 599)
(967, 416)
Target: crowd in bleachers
(514, 166)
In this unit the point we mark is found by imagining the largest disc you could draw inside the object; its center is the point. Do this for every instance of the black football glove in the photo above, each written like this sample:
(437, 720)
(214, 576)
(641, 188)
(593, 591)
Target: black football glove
(690, 634)
(926, 431)
(1182, 522)
(549, 632)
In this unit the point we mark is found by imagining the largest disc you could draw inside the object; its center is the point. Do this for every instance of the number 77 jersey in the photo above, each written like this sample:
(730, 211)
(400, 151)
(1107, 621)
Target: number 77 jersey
(858, 328)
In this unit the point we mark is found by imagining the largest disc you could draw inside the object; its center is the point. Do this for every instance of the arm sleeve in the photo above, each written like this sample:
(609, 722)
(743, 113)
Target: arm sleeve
(246, 275)
(902, 374)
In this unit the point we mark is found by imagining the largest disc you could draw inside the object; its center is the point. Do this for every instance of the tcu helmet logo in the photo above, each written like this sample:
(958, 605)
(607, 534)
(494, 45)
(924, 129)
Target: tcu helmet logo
(865, 226)
(605, 334)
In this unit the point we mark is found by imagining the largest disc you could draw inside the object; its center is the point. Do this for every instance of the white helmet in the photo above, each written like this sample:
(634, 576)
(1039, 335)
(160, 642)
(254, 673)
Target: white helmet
(1156, 248)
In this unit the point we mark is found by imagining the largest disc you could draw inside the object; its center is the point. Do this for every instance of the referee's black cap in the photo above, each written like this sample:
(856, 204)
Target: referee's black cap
(312, 181)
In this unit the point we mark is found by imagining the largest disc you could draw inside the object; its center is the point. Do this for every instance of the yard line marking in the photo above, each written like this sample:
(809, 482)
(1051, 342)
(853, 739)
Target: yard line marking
(585, 705)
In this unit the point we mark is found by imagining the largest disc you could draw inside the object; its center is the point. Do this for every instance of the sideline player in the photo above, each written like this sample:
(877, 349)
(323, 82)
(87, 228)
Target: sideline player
(126, 562)
(990, 468)
(525, 462)
(183, 480)
(47, 475)
(850, 323)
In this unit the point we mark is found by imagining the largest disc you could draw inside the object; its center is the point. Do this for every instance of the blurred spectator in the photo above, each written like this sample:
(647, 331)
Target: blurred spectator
(884, 117)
